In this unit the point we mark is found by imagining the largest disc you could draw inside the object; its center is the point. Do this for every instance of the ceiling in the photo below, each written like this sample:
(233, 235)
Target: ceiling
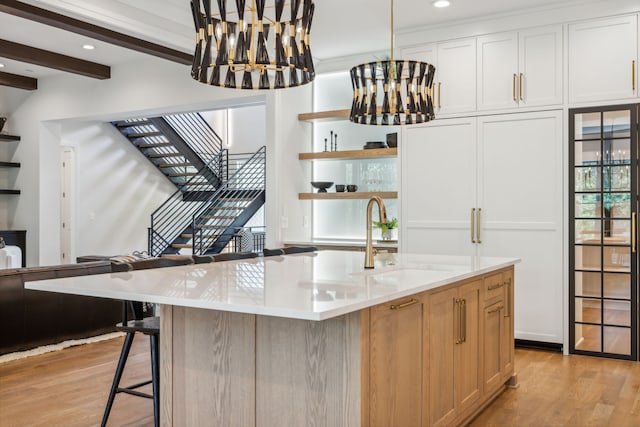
(340, 28)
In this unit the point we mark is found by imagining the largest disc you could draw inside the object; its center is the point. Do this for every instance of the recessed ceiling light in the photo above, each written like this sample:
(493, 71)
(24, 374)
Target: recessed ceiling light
(88, 46)
(441, 3)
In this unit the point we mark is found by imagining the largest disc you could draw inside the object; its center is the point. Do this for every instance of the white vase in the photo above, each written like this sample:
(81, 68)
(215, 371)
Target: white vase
(390, 234)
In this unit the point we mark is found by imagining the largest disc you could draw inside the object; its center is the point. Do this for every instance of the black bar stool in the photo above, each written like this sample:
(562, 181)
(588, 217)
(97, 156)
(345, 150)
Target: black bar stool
(146, 325)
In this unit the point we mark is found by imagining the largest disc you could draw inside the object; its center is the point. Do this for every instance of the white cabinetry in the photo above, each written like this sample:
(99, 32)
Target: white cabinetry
(520, 69)
(492, 186)
(603, 59)
(455, 80)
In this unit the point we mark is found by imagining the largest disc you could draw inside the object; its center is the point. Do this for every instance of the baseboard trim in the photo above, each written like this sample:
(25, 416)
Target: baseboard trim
(539, 345)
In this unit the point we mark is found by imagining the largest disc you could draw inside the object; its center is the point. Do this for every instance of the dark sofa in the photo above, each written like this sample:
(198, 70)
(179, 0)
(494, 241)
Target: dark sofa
(30, 318)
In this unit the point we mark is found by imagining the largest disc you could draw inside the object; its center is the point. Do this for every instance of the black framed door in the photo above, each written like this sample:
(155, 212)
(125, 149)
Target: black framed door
(603, 209)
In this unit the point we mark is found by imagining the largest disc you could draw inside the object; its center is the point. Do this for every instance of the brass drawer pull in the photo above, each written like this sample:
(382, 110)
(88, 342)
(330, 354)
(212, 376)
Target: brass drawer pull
(404, 304)
(495, 309)
(515, 99)
(473, 225)
(495, 286)
(521, 87)
(464, 319)
(507, 313)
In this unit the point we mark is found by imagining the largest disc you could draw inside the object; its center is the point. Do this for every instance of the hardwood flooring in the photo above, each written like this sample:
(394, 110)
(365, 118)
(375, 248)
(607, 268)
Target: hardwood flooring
(69, 388)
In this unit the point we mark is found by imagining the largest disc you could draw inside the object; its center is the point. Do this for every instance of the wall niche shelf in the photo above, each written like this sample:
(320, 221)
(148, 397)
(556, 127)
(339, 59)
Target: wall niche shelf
(6, 137)
(9, 138)
(350, 154)
(347, 195)
(324, 116)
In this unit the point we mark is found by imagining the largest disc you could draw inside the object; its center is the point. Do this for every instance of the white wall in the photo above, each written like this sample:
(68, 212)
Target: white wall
(117, 189)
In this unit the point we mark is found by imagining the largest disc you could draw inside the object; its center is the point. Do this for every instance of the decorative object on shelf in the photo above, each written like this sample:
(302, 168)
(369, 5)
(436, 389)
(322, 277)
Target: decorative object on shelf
(340, 188)
(241, 54)
(374, 144)
(3, 120)
(325, 144)
(392, 140)
(391, 92)
(388, 230)
(331, 140)
(321, 185)
(335, 144)
(352, 188)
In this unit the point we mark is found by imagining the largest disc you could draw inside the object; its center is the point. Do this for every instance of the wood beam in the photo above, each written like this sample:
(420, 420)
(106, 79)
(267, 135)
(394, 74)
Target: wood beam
(57, 20)
(44, 58)
(17, 81)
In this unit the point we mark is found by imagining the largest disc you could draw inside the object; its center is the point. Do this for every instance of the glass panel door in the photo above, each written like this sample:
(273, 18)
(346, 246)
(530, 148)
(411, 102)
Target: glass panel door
(603, 260)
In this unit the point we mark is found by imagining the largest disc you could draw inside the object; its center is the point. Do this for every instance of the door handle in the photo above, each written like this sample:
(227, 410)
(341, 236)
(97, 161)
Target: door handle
(473, 225)
(507, 312)
(439, 95)
(634, 220)
(463, 322)
(404, 304)
(513, 88)
(478, 227)
(521, 87)
(633, 75)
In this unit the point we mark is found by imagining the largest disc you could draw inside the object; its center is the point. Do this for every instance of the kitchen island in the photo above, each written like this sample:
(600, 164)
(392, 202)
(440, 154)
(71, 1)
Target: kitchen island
(315, 339)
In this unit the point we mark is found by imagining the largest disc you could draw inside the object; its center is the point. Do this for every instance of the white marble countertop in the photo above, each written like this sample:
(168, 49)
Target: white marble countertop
(312, 286)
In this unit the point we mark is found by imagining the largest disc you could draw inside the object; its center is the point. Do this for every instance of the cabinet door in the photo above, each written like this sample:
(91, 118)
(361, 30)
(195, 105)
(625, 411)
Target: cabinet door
(601, 53)
(468, 378)
(444, 332)
(540, 66)
(520, 176)
(438, 186)
(498, 71)
(455, 381)
(455, 82)
(396, 380)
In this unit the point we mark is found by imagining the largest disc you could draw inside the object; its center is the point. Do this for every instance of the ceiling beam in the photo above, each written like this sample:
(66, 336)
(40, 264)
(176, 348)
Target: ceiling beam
(17, 81)
(57, 20)
(44, 58)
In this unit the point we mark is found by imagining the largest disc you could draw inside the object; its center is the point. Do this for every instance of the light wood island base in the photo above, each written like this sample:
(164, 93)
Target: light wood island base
(434, 358)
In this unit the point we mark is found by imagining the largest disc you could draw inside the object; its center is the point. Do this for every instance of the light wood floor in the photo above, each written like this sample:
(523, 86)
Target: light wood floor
(69, 388)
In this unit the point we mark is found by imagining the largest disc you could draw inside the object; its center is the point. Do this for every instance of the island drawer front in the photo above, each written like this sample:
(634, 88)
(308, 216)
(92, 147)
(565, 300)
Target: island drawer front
(494, 286)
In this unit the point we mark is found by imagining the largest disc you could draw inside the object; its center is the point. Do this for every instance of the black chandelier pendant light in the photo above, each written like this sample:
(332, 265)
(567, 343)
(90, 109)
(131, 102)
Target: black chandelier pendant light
(234, 48)
(392, 92)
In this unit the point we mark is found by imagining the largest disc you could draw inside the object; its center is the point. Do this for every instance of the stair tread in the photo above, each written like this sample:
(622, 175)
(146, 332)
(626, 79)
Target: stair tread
(190, 236)
(154, 144)
(160, 155)
(175, 175)
(218, 216)
(173, 165)
(123, 125)
(143, 134)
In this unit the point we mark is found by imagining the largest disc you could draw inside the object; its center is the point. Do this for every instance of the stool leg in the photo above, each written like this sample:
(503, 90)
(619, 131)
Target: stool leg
(124, 354)
(155, 377)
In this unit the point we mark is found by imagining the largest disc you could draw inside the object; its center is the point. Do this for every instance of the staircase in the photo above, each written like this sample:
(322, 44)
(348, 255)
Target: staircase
(217, 192)
(202, 218)
(180, 145)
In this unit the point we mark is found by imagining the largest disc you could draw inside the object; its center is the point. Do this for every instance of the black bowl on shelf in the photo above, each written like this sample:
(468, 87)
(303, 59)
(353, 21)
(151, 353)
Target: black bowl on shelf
(374, 144)
(321, 185)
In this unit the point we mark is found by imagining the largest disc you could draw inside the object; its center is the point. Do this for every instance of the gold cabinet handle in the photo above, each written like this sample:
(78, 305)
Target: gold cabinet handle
(463, 323)
(439, 94)
(495, 286)
(514, 87)
(473, 225)
(634, 220)
(478, 225)
(507, 312)
(633, 75)
(495, 309)
(457, 302)
(403, 304)
(521, 87)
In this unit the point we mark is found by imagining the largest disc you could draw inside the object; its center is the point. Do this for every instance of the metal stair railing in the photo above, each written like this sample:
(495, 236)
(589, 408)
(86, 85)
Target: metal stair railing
(172, 218)
(197, 133)
(229, 202)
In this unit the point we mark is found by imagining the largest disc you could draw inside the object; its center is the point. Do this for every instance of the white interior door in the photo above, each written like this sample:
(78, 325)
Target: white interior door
(438, 187)
(520, 190)
(67, 204)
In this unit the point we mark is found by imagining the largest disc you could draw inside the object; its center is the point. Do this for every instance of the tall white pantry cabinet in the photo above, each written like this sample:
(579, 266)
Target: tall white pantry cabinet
(492, 186)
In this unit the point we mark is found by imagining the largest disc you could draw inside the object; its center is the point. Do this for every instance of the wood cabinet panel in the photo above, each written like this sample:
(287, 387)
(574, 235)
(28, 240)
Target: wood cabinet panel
(396, 363)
